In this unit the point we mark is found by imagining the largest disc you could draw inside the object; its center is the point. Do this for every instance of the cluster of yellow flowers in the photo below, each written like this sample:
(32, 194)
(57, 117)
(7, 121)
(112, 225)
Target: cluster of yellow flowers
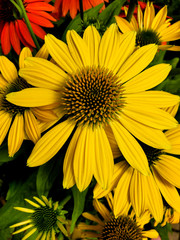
(96, 93)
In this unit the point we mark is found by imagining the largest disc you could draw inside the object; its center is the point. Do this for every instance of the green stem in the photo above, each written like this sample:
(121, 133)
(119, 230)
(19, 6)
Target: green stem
(131, 8)
(17, 7)
(28, 23)
(81, 10)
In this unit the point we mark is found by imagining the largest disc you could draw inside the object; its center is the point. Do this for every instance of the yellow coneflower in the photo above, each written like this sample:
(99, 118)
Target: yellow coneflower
(45, 219)
(152, 28)
(125, 226)
(21, 122)
(98, 83)
(133, 188)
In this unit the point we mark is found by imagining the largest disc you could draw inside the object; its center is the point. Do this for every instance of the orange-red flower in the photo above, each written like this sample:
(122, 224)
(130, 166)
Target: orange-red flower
(13, 30)
(63, 6)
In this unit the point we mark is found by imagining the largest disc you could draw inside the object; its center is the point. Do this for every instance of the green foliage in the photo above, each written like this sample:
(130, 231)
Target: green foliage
(79, 201)
(163, 231)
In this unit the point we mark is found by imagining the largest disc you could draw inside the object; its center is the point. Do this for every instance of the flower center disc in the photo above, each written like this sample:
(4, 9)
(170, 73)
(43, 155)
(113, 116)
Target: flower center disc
(92, 96)
(6, 10)
(15, 86)
(121, 228)
(44, 218)
(145, 37)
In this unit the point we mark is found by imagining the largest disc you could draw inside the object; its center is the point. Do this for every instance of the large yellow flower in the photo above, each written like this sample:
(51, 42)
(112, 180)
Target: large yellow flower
(21, 122)
(125, 226)
(133, 188)
(98, 83)
(152, 28)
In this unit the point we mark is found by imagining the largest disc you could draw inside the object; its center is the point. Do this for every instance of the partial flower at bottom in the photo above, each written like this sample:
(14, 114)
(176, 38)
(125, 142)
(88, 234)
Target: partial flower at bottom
(45, 219)
(107, 226)
(98, 83)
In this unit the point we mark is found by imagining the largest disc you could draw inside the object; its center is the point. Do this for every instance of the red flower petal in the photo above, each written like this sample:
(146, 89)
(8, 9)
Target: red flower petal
(25, 33)
(38, 31)
(44, 14)
(14, 38)
(41, 6)
(5, 39)
(41, 21)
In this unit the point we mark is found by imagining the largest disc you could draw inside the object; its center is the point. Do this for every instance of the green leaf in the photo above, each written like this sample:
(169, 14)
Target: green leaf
(75, 24)
(47, 174)
(5, 234)
(163, 231)
(113, 9)
(24, 189)
(79, 201)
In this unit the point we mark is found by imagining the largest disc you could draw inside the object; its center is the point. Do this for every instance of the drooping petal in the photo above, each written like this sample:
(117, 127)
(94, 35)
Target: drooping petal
(119, 169)
(123, 24)
(5, 122)
(102, 210)
(33, 97)
(83, 159)
(121, 194)
(31, 126)
(173, 136)
(14, 38)
(168, 167)
(130, 148)
(50, 144)
(5, 38)
(103, 162)
(16, 135)
(168, 191)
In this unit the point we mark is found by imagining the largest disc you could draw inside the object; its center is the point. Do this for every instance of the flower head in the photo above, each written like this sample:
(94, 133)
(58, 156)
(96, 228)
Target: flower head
(152, 28)
(125, 226)
(133, 188)
(63, 6)
(13, 29)
(21, 122)
(98, 83)
(45, 219)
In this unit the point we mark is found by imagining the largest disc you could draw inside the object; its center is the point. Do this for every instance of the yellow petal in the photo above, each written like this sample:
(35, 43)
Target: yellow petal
(119, 169)
(130, 148)
(103, 162)
(29, 233)
(39, 201)
(145, 115)
(123, 24)
(149, 14)
(148, 78)
(140, 17)
(21, 223)
(43, 52)
(139, 60)
(159, 99)
(32, 203)
(60, 53)
(26, 210)
(102, 210)
(92, 38)
(26, 52)
(42, 73)
(173, 136)
(78, 49)
(45, 115)
(137, 197)
(168, 167)
(121, 194)
(168, 191)
(68, 171)
(150, 136)
(83, 159)
(159, 18)
(23, 229)
(92, 218)
(8, 69)
(33, 97)
(150, 233)
(31, 126)
(50, 144)
(16, 135)
(5, 122)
